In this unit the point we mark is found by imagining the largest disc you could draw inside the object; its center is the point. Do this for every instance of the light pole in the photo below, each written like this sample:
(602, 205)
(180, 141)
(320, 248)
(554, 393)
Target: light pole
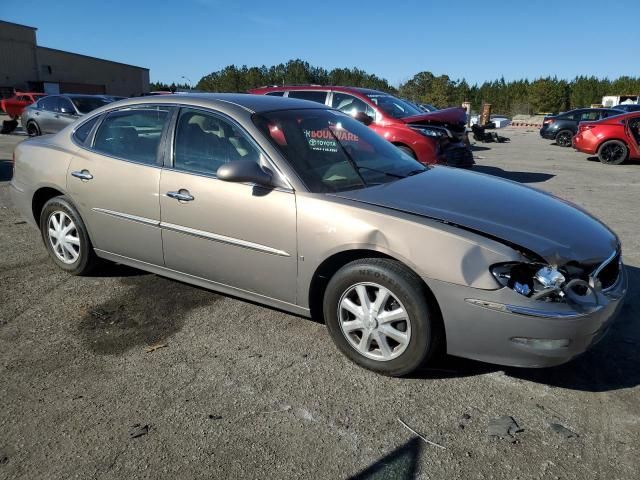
(188, 80)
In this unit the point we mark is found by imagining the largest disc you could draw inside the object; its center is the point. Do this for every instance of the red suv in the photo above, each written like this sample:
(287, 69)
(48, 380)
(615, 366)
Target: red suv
(614, 139)
(14, 106)
(436, 137)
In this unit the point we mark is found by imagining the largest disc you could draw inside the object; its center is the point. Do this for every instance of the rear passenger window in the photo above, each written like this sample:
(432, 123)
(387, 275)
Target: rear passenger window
(82, 132)
(313, 95)
(275, 94)
(132, 134)
(204, 142)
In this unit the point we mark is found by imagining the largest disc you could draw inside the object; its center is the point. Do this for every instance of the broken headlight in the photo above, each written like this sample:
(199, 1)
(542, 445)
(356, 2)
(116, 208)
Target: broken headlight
(433, 131)
(546, 282)
(533, 280)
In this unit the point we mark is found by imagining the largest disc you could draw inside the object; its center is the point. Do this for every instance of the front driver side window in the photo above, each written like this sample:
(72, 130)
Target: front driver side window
(204, 142)
(132, 134)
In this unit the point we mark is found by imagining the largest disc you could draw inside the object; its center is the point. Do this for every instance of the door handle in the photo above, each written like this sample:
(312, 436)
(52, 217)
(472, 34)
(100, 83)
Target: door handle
(38, 113)
(181, 195)
(82, 175)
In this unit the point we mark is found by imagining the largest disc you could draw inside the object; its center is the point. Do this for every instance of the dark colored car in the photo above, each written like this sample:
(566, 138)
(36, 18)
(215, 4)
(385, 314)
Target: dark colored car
(613, 139)
(54, 112)
(628, 107)
(430, 138)
(13, 106)
(564, 126)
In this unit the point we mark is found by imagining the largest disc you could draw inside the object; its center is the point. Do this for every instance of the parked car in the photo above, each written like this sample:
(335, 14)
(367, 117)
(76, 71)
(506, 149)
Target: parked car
(300, 207)
(614, 139)
(564, 126)
(54, 112)
(427, 107)
(438, 137)
(13, 106)
(628, 107)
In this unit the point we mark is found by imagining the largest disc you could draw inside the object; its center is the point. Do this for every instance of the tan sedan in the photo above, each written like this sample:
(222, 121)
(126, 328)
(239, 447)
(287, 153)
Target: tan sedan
(300, 207)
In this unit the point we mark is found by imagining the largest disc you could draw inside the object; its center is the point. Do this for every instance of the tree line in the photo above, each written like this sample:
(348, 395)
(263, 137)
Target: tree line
(547, 94)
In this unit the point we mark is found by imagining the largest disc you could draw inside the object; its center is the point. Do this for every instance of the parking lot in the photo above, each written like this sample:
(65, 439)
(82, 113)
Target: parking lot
(235, 389)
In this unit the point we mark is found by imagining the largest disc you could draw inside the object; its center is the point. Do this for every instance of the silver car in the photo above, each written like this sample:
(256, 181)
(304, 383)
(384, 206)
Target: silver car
(52, 113)
(300, 207)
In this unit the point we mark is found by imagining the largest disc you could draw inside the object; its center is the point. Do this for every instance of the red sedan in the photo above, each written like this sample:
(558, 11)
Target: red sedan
(13, 106)
(436, 137)
(613, 139)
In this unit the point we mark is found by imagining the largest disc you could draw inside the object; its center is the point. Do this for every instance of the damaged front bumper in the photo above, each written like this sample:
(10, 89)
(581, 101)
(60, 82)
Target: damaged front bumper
(503, 327)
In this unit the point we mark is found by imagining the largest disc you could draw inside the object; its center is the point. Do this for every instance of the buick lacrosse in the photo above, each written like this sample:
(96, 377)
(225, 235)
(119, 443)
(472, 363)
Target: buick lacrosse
(300, 207)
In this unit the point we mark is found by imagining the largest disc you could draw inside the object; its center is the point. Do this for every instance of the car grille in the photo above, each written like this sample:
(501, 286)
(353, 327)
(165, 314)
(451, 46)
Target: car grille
(458, 157)
(608, 275)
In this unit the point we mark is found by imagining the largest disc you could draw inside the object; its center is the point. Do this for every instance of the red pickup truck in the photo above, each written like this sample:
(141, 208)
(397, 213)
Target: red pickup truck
(13, 106)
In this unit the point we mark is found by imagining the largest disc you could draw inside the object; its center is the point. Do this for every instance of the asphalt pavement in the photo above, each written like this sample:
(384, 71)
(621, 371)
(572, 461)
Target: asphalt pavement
(232, 389)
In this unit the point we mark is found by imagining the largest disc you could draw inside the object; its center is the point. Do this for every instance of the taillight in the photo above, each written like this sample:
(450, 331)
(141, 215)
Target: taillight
(548, 121)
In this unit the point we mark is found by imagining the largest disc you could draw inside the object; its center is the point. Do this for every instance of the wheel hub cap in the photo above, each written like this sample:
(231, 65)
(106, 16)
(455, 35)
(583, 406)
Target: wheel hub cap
(374, 321)
(63, 237)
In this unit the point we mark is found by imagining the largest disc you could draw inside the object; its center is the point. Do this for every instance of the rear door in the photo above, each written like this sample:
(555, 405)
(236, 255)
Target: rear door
(64, 115)
(45, 115)
(632, 129)
(235, 234)
(114, 178)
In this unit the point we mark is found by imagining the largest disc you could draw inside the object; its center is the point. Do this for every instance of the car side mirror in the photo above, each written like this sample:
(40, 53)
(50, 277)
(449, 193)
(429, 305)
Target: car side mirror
(244, 171)
(363, 118)
(67, 110)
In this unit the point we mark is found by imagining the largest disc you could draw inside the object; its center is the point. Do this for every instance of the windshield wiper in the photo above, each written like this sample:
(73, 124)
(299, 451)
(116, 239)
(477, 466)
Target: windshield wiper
(416, 172)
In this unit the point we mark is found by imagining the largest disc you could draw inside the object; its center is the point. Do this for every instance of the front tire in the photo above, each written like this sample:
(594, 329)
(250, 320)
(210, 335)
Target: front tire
(378, 315)
(33, 130)
(613, 152)
(563, 138)
(66, 237)
(407, 150)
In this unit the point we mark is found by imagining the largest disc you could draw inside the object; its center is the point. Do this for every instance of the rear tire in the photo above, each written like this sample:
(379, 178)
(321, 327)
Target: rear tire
(66, 237)
(613, 152)
(563, 138)
(394, 329)
(33, 130)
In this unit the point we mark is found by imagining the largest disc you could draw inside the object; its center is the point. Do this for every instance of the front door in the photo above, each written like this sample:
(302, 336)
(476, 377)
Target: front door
(234, 234)
(114, 183)
(633, 133)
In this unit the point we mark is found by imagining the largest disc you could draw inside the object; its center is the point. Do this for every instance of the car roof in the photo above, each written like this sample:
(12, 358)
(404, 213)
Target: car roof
(248, 102)
(337, 88)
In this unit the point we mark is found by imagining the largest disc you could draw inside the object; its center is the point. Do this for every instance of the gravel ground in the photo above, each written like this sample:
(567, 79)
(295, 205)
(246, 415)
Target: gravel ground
(239, 390)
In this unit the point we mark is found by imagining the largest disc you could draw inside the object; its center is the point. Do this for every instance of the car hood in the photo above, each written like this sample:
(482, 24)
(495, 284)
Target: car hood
(550, 227)
(448, 116)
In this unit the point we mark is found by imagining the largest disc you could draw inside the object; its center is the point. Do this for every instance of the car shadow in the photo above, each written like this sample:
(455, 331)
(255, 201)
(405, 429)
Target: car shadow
(610, 365)
(401, 463)
(522, 177)
(479, 148)
(6, 170)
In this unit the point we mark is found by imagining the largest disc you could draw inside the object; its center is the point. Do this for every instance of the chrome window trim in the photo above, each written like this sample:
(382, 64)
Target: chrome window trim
(171, 139)
(223, 239)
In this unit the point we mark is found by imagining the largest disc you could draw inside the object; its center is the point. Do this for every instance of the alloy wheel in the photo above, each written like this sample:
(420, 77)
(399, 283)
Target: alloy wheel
(63, 237)
(374, 321)
(564, 139)
(612, 153)
(32, 130)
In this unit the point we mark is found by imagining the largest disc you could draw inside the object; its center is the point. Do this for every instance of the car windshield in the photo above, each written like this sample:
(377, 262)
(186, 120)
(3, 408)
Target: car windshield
(394, 106)
(88, 104)
(331, 152)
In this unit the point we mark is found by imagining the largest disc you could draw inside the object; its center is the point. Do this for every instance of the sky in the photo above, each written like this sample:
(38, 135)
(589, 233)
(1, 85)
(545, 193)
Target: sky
(478, 40)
